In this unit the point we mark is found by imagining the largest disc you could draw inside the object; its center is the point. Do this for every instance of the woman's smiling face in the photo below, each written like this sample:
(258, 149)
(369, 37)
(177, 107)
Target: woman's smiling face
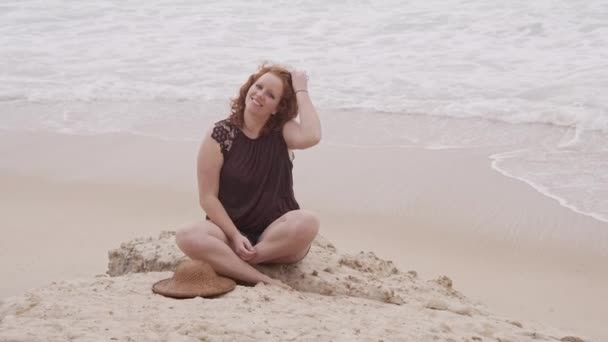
(264, 95)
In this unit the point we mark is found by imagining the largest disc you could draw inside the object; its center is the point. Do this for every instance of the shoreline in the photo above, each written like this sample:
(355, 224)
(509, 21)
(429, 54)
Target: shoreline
(408, 131)
(493, 154)
(434, 211)
(543, 190)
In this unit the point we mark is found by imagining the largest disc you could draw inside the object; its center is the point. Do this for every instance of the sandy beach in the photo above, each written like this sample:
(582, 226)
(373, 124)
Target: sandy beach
(461, 181)
(67, 200)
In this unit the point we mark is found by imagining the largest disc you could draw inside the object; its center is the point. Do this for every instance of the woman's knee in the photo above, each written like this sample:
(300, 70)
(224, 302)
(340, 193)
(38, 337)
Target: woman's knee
(185, 236)
(196, 236)
(305, 225)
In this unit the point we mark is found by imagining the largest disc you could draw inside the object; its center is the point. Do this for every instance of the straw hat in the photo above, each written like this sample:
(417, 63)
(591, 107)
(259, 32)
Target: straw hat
(193, 278)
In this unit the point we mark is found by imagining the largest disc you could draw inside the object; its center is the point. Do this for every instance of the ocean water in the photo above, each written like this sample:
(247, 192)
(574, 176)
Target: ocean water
(527, 78)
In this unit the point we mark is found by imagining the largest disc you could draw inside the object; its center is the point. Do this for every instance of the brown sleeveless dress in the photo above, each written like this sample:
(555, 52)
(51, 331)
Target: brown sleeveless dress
(256, 182)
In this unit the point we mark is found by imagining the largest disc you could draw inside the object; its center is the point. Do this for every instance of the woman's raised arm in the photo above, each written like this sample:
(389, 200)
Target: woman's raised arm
(307, 132)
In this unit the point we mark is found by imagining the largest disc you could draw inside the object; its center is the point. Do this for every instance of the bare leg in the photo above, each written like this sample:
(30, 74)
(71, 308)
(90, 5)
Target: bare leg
(206, 241)
(287, 239)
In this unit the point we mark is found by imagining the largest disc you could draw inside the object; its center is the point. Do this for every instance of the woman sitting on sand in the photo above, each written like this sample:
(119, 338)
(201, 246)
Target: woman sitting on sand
(245, 179)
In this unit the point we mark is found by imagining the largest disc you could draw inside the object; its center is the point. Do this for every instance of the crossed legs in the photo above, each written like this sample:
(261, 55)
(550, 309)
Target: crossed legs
(286, 240)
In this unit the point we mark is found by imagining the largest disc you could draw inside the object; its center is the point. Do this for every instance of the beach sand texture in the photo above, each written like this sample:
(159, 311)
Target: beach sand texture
(336, 297)
(445, 215)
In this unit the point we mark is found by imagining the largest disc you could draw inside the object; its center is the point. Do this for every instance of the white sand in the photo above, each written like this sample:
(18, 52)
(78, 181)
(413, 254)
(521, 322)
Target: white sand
(67, 200)
(337, 297)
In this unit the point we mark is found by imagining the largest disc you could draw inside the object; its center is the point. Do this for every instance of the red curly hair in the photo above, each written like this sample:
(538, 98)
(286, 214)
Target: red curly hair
(286, 110)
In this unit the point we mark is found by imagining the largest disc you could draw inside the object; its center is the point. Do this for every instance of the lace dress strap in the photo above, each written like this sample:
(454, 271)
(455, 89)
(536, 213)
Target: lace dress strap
(224, 133)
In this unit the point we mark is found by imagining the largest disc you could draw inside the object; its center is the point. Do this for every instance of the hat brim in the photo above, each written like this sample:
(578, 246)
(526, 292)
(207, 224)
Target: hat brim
(170, 288)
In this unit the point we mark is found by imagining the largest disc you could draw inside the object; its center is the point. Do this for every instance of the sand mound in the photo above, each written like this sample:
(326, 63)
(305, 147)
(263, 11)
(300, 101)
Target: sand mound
(338, 297)
(323, 271)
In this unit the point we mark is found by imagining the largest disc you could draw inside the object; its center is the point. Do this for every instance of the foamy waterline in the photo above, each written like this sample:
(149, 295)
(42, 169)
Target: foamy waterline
(358, 130)
(544, 190)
